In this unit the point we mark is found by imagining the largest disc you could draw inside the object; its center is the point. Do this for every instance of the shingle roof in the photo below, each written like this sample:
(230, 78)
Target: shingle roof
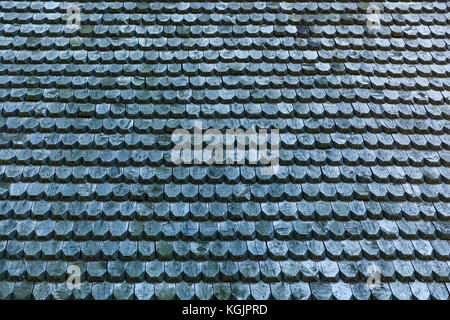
(85, 141)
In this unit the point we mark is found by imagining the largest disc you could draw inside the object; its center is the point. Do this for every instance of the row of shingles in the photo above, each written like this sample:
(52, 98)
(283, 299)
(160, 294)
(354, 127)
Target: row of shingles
(224, 269)
(378, 152)
(234, 291)
(421, 117)
(314, 136)
(442, 272)
(224, 89)
(434, 88)
(293, 160)
(293, 119)
(414, 50)
(323, 211)
(320, 135)
(413, 167)
(119, 230)
(244, 230)
(218, 93)
(272, 50)
(334, 149)
(268, 15)
(339, 135)
(238, 192)
(220, 96)
(203, 226)
(425, 32)
(319, 144)
(171, 21)
(401, 246)
(227, 7)
(228, 247)
(364, 183)
(54, 48)
(182, 290)
(319, 149)
(264, 75)
(427, 51)
(403, 21)
(119, 191)
(411, 62)
(318, 171)
(434, 96)
(432, 33)
(285, 87)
